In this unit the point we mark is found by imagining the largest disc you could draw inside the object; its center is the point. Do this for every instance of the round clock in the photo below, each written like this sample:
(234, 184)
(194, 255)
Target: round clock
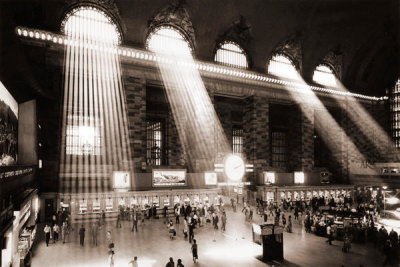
(234, 167)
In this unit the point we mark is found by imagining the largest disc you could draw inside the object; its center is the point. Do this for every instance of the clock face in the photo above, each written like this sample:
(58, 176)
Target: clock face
(234, 167)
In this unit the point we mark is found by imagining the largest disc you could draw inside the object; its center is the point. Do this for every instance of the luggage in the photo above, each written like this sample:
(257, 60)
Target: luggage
(208, 220)
(174, 233)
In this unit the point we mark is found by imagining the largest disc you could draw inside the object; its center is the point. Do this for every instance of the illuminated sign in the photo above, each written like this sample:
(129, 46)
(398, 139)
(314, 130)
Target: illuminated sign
(234, 167)
(210, 178)
(299, 177)
(169, 177)
(269, 177)
(122, 179)
(13, 173)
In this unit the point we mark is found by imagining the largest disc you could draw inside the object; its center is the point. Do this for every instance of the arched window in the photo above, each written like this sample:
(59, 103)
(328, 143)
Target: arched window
(231, 54)
(168, 40)
(324, 75)
(281, 65)
(88, 24)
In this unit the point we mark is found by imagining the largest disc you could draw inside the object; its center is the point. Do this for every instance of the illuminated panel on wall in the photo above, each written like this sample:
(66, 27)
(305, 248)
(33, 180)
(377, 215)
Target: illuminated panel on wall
(395, 113)
(281, 66)
(324, 75)
(231, 54)
(299, 177)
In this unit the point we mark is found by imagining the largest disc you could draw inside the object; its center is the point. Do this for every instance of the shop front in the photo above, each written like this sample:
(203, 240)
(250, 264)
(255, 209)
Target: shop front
(24, 229)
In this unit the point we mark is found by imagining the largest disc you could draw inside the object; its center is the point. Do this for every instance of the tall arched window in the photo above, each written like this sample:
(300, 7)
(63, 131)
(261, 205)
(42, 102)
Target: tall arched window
(281, 65)
(168, 40)
(324, 75)
(90, 24)
(231, 54)
(95, 124)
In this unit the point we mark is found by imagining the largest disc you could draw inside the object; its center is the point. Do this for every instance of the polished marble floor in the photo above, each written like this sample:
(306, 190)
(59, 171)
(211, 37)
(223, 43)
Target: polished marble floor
(153, 247)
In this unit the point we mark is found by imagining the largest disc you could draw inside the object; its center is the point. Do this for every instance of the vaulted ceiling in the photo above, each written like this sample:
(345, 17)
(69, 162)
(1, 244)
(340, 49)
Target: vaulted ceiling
(365, 32)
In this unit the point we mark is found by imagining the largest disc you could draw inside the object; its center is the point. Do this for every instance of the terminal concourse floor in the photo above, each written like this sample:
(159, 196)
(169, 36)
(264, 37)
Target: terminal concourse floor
(153, 247)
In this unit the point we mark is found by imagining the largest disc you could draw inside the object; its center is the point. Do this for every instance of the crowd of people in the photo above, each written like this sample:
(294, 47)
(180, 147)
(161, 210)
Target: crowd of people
(338, 218)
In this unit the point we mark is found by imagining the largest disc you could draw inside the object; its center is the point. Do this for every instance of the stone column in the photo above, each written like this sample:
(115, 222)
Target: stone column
(256, 133)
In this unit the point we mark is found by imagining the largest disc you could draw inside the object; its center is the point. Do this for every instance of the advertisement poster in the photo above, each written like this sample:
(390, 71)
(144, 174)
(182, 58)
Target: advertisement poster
(169, 178)
(8, 128)
(122, 179)
(210, 178)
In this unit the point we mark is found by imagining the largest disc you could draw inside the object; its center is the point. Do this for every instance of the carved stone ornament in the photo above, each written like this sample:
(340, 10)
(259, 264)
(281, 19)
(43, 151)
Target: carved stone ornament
(334, 61)
(176, 16)
(107, 6)
(239, 32)
(292, 49)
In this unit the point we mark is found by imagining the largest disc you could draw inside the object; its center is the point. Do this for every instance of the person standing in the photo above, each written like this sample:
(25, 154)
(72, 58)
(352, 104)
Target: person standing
(134, 221)
(223, 221)
(171, 263)
(134, 263)
(64, 231)
(215, 223)
(103, 217)
(82, 235)
(177, 214)
(194, 251)
(56, 230)
(191, 227)
(329, 234)
(289, 226)
(47, 230)
(95, 232)
(179, 264)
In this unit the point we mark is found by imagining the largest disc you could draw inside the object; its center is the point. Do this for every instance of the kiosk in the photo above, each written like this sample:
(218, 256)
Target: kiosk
(270, 236)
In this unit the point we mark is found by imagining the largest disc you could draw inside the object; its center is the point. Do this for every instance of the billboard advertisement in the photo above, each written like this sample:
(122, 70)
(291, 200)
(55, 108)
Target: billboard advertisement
(169, 178)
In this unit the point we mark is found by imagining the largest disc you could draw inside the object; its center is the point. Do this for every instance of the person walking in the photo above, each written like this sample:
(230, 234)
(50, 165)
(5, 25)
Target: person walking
(171, 263)
(179, 264)
(223, 221)
(103, 217)
(134, 221)
(185, 227)
(133, 263)
(289, 226)
(56, 231)
(47, 230)
(177, 214)
(95, 232)
(215, 223)
(111, 258)
(64, 231)
(82, 235)
(119, 221)
(194, 251)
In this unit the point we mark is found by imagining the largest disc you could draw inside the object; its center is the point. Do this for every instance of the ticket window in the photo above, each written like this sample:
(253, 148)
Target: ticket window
(235, 189)
(64, 206)
(121, 203)
(296, 195)
(133, 202)
(206, 201)
(96, 206)
(145, 202)
(270, 197)
(166, 201)
(83, 206)
(156, 201)
(109, 204)
(302, 195)
(333, 193)
(187, 200)
(196, 200)
(283, 196)
(289, 196)
(177, 200)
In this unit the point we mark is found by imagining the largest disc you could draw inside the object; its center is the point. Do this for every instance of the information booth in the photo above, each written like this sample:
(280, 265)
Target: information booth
(270, 236)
